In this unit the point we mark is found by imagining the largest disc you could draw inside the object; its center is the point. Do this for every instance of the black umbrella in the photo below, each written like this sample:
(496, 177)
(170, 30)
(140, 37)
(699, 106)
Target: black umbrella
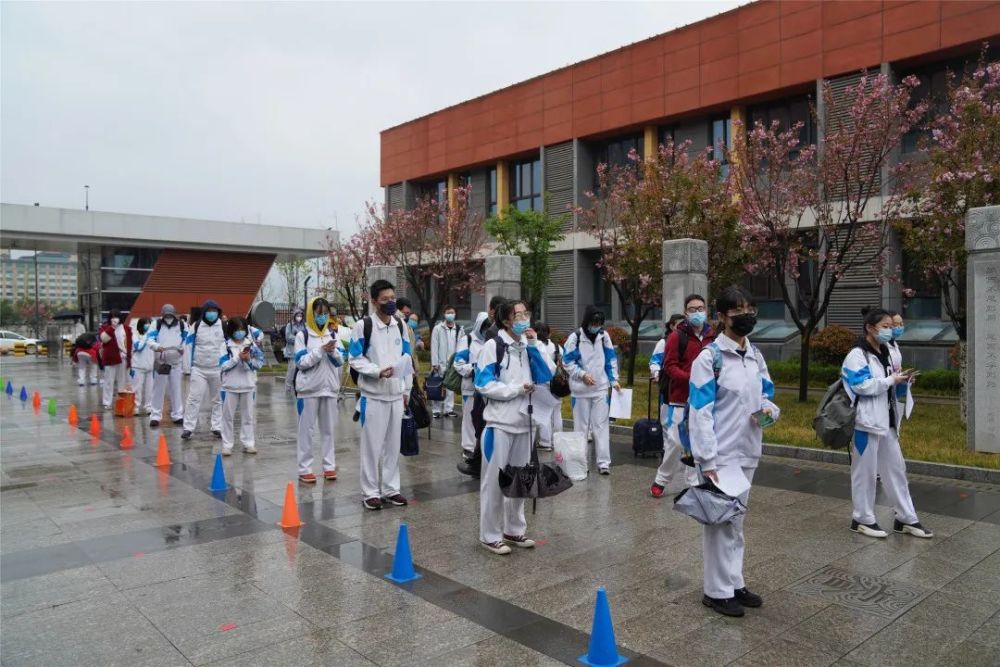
(67, 315)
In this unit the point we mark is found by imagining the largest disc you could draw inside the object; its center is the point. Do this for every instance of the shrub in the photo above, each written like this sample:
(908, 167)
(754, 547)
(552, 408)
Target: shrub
(787, 373)
(955, 356)
(621, 339)
(942, 380)
(831, 345)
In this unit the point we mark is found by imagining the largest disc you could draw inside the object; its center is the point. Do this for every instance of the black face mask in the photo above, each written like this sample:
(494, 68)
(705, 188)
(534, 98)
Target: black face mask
(742, 325)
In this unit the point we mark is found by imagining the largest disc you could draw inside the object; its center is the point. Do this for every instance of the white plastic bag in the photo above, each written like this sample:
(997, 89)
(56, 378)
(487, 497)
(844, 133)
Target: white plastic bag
(570, 454)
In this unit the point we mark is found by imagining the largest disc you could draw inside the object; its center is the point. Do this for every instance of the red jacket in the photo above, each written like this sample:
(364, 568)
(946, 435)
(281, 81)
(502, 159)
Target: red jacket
(110, 354)
(679, 370)
(93, 351)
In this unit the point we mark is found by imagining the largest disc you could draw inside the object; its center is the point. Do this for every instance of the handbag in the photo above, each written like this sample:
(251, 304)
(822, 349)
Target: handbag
(434, 386)
(708, 505)
(418, 407)
(409, 442)
(559, 385)
(534, 480)
(163, 369)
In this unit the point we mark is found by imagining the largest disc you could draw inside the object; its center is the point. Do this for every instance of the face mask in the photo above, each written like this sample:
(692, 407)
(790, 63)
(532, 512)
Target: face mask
(697, 319)
(388, 308)
(115, 321)
(742, 325)
(211, 316)
(298, 318)
(884, 335)
(143, 328)
(413, 324)
(321, 320)
(594, 330)
(169, 320)
(520, 327)
(898, 331)
(449, 317)
(239, 335)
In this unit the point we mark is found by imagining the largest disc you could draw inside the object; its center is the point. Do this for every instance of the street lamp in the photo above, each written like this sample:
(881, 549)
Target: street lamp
(305, 290)
(86, 198)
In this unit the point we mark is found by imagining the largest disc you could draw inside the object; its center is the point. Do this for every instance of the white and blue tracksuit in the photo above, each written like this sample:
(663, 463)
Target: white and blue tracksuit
(590, 403)
(205, 344)
(506, 438)
(167, 343)
(548, 420)
(239, 390)
(728, 385)
(317, 381)
(381, 402)
(465, 364)
(143, 361)
(444, 343)
(875, 449)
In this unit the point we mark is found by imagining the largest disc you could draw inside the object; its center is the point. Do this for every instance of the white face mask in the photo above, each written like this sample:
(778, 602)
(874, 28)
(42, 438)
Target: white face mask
(115, 321)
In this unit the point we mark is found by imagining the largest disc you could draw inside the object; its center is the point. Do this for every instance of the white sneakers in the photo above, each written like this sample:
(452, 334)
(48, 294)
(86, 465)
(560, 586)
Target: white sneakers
(499, 548)
(868, 529)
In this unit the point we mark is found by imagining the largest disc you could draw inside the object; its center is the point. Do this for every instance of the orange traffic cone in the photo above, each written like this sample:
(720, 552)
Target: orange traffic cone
(73, 417)
(95, 426)
(36, 401)
(290, 513)
(127, 439)
(162, 453)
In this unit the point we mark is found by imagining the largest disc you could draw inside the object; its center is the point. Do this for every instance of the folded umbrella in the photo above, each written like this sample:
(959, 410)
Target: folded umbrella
(707, 505)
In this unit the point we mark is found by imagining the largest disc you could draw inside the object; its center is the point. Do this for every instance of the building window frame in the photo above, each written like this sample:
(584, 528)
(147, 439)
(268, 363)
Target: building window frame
(526, 184)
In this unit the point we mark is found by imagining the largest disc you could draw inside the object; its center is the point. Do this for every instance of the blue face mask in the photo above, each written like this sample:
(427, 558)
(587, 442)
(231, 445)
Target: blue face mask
(697, 319)
(898, 331)
(413, 324)
(321, 320)
(884, 335)
(520, 327)
(594, 330)
(239, 335)
(211, 316)
(449, 317)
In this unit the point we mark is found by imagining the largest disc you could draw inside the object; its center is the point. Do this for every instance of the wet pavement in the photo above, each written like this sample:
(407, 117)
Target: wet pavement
(108, 560)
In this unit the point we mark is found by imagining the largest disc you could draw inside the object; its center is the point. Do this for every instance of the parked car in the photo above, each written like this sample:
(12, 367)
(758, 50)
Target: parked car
(9, 338)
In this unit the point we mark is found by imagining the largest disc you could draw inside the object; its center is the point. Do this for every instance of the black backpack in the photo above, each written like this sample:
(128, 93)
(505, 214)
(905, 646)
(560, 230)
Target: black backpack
(367, 332)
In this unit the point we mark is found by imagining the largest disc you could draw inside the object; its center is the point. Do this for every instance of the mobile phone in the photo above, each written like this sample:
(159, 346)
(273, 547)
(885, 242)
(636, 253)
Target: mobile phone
(764, 420)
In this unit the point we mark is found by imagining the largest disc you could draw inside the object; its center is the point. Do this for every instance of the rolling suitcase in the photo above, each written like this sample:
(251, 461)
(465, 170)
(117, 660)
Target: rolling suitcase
(647, 434)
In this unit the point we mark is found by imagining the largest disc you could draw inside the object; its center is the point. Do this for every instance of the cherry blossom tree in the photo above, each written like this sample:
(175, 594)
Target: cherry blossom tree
(344, 272)
(812, 215)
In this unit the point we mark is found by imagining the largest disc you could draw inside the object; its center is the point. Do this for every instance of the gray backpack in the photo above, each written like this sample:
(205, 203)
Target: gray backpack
(834, 420)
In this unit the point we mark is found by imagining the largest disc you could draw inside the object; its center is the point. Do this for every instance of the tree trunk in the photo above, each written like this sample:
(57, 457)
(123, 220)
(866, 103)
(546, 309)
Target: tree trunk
(635, 346)
(963, 374)
(804, 366)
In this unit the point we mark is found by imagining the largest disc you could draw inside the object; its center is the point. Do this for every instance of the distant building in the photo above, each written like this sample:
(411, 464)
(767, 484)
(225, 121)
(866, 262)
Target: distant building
(57, 278)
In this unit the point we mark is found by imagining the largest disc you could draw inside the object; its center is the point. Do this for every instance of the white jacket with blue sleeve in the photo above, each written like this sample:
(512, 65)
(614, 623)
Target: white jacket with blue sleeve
(871, 384)
(240, 376)
(502, 384)
(317, 373)
(143, 356)
(598, 359)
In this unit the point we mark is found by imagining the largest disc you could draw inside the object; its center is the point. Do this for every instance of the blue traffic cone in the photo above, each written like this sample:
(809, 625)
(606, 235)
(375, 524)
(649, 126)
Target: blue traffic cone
(402, 562)
(24, 393)
(10, 389)
(218, 476)
(603, 651)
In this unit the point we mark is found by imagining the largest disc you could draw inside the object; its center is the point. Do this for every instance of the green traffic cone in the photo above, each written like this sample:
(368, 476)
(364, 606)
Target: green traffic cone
(52, 407)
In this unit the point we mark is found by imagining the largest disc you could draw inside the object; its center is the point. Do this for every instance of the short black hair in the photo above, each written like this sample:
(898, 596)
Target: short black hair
(402, 302)
(114, 312)
(676, 317)
(380, 286)
(447, 306)
(142, 324)
(496, 301)
(731, 297)
(692, 297)
(873, 316)
(505, 311)
(235, 324)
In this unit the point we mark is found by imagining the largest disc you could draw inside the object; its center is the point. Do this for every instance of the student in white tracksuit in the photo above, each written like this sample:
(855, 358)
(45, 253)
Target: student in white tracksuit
(548, 420)
(444, 341)
(592, 365)
(143, 359)
(869, 379)
(465, 364)
(506, 381)
(238, 367)
(205, 342)
(730, 384)
(317, 380)
(379, 362)
(167, 342)
(295, 325)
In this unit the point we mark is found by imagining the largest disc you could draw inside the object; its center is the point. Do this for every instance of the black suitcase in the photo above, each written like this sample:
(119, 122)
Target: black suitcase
(647, 434)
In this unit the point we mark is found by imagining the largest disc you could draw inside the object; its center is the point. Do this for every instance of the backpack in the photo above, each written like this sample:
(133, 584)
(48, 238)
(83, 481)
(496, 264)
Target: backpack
(559, 385)
(452, 380)
(367, 332)
(834, 420)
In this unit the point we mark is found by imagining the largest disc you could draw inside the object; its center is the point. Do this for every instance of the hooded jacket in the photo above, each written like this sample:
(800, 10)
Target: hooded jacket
(444, 343)
(467, 352)
(164, 341)
(205, 342)
(240, 376)
(317, 373)
(583, 356)
(867, 379)
(666, 359)
(385, 349)
(502, 384)
(291, 329)
(143, 357)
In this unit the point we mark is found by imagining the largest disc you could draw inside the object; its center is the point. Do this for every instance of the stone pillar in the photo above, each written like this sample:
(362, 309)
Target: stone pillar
(503, 277)
(982, 240)
(685, 263)
(382, 272)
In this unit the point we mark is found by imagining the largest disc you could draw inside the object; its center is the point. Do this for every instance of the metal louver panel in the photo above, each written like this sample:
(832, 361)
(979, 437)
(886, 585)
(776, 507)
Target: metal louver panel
(559, 297)
(395, 197)
(477, 199)
(846, 304)
(559, 181)
(840, 114)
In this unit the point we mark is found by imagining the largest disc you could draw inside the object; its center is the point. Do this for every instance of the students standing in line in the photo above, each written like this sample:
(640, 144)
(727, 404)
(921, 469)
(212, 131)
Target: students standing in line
(730, 394)
(871, 382)
(167, 342)
(206, 342)
(238, 368)
(293, 328)
(510, 366)
(593, 368)
(143, 361)
(444, 342)
(671, 365)
(465, 364)
(379, 349)
(548, 420)
(116, 355)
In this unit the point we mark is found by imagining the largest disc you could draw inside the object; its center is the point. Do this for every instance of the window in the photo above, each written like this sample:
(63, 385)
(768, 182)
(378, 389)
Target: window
(925, 304)
(766, 292)
(787, 113)
(721, 142)
(615, 152)
(933, 90)
(664, 135)
(526, 185)
(129, 258)
(491, 192)
(436, 190)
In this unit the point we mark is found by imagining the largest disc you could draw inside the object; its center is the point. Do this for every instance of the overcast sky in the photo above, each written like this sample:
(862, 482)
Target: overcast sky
(269, 111)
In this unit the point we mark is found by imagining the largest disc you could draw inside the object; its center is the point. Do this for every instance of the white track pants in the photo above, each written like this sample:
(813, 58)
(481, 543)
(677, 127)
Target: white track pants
(468, 428)
(590, 415)
(381, 430)
(290, 375)
(325, 410)
(497, 514)
(83, 363)
(246, 401)
(448, 404)
(114, 376)
(671, 467)
(202, 381)
(547, 422)
(143, 385)
(161, 384)
(722, 549)
(882, 457)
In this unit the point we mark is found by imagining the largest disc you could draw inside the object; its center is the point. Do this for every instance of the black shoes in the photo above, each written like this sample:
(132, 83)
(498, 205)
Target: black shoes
(868, 529)
(914, 529)
(470, 468)
(186, 435)
(726, 606)
(748, 599)
(153, 423)
(178, 422)
(217, 434)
